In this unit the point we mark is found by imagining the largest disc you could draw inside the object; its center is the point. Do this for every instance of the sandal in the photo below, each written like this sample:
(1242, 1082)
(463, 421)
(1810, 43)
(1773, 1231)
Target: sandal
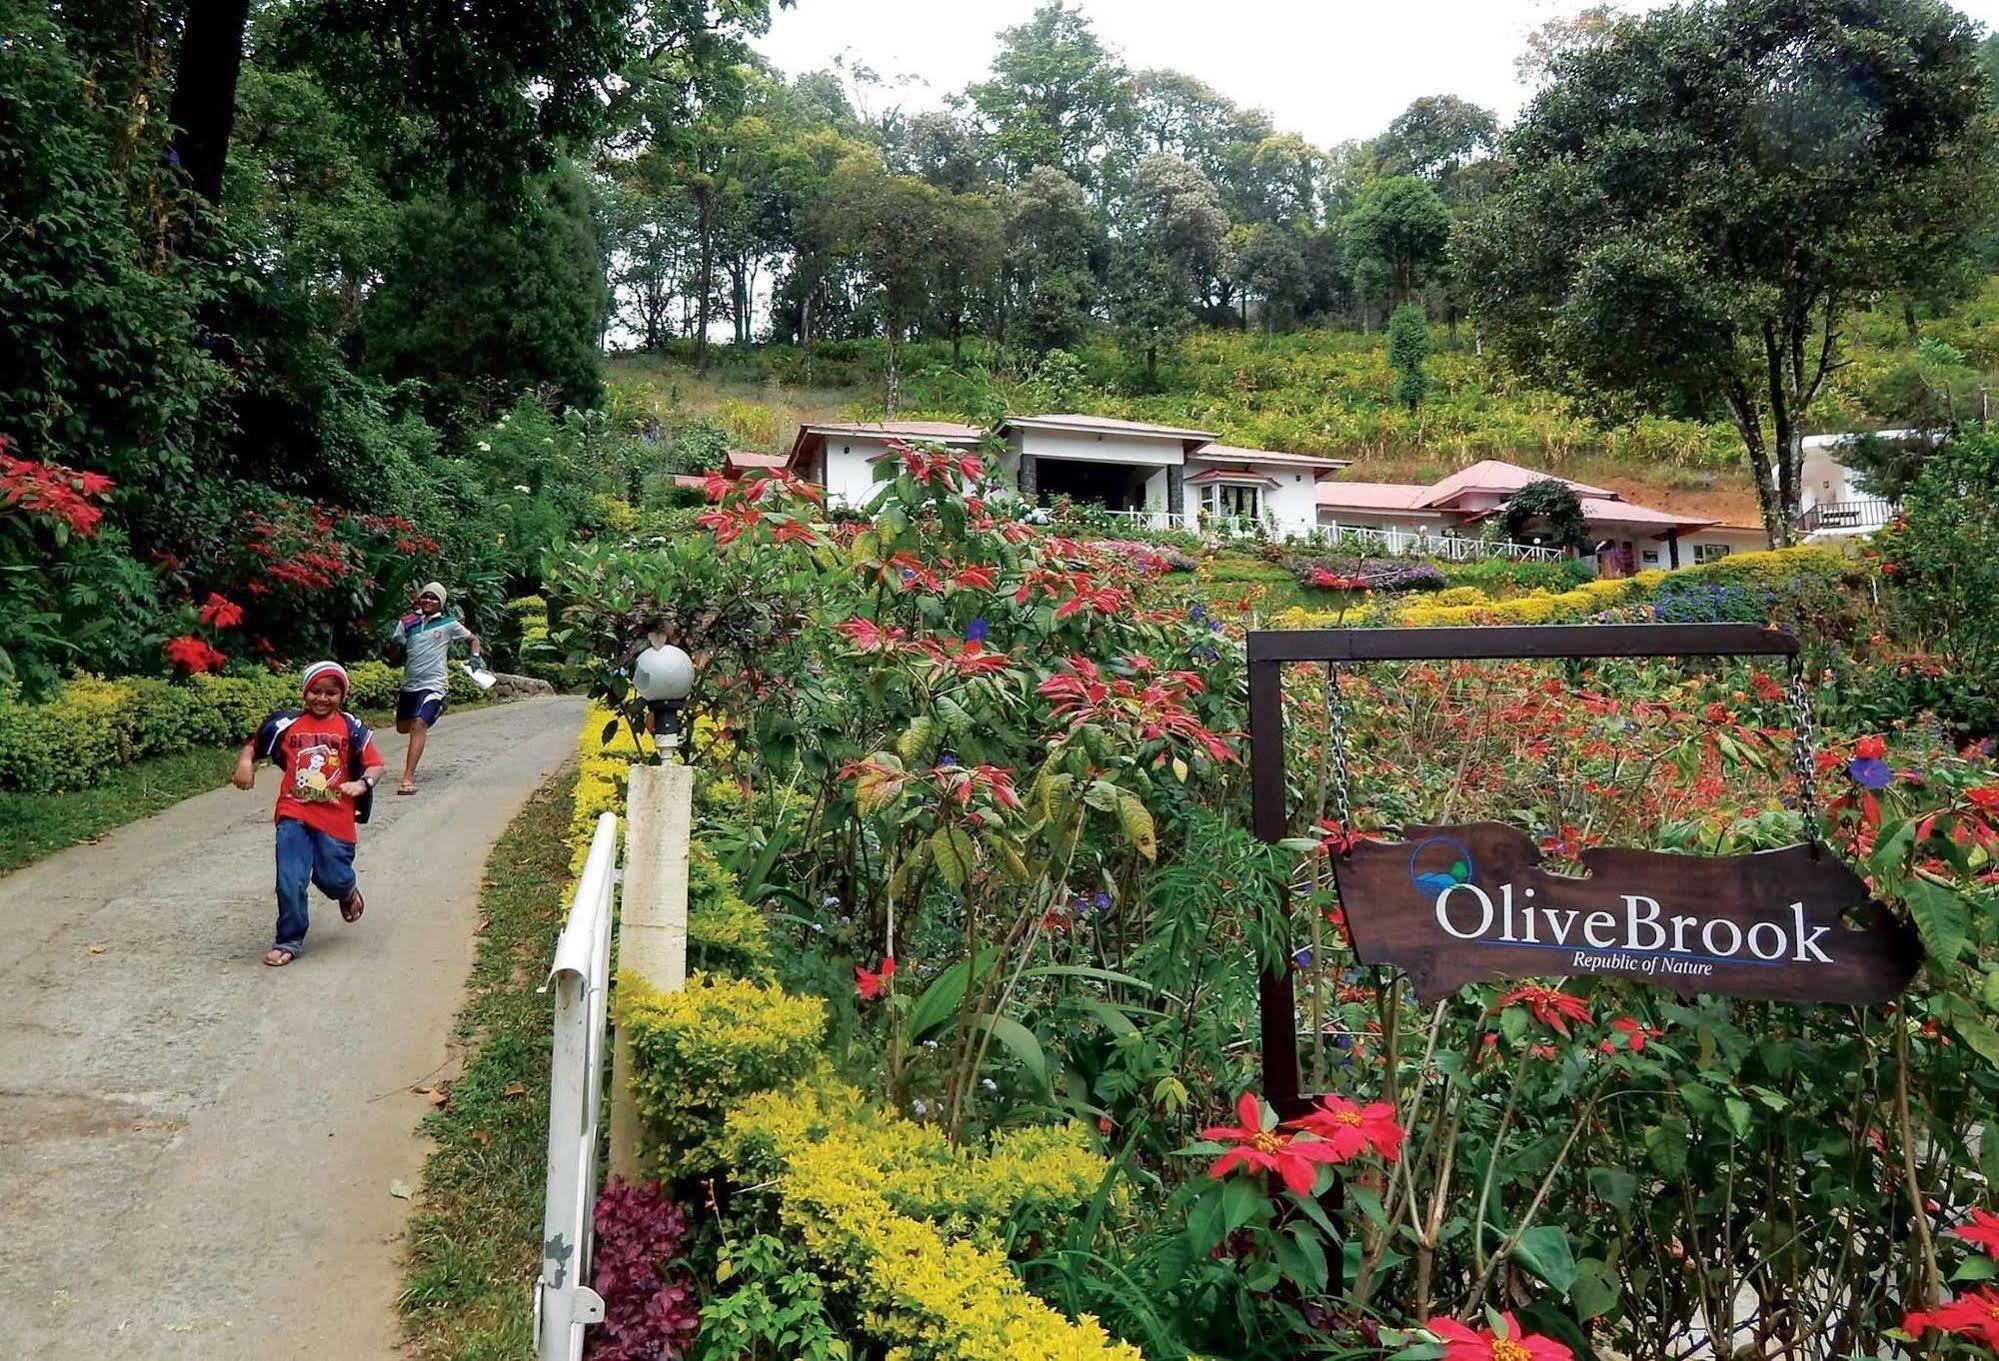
(279, 955)
(406, 787)
(352, 906)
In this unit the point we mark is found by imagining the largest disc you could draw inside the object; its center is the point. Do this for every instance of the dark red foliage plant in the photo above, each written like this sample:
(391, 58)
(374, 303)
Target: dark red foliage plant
(650, 1309)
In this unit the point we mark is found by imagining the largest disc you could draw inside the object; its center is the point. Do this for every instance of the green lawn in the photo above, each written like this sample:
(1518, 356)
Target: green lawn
(35, 825)
(476, 1233)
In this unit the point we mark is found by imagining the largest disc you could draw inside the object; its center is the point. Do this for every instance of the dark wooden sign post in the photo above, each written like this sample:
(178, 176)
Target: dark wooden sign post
(1458, 904)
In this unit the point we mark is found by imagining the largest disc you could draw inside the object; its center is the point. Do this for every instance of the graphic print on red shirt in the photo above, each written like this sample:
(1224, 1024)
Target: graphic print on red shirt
(315, 766)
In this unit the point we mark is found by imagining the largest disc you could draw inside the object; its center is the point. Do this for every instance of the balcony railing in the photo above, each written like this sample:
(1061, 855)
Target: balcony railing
(1846, 517)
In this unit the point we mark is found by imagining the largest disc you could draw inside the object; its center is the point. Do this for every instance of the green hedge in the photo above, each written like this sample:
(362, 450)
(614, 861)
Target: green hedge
(91, 727)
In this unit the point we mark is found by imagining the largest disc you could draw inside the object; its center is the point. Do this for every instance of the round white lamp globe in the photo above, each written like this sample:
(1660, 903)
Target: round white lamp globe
(663, 673)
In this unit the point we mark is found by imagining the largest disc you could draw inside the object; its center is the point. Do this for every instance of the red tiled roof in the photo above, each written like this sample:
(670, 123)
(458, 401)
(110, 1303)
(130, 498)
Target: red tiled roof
(1597, 510)
(1492, 475)
(748, 458)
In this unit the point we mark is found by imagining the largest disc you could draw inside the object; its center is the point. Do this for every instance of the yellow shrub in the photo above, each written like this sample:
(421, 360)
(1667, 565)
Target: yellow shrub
(705, 1049)
(1461, 595)
(852, 1182)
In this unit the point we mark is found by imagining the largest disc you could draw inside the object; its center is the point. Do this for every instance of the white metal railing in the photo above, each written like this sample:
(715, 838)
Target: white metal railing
(580, 977)
(1400, 543)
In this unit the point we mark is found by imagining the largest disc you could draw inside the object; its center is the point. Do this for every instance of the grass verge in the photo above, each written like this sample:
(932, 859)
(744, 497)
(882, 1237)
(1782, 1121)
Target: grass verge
(475, 1235)
(35, 825)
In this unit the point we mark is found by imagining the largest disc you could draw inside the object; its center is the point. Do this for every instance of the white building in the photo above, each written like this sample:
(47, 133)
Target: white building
(1830, 502)
(841, 456)
(1159, 476)
(1448, 517)
(1162, 476)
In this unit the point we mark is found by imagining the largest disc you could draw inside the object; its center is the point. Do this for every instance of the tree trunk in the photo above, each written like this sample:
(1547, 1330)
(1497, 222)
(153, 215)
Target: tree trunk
(1451, 325)
(1909, 320)
(1151, 366)
(805, 329)
(705, 282)
(890, 394)
(957, 340)
(203, 111)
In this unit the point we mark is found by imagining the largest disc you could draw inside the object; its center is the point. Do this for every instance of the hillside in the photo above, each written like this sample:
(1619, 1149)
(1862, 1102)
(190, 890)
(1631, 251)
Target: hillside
(1326, 392)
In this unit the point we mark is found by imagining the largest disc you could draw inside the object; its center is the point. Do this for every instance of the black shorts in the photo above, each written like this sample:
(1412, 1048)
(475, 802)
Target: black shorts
(427, 705)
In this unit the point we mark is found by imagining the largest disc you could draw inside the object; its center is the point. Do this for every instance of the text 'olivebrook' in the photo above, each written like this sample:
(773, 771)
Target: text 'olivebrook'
(1642, 935)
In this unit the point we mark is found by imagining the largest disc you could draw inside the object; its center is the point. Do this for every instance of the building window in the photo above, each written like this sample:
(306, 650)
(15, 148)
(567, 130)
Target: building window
(1711, 552)
(1650, 558)
(1241, 501)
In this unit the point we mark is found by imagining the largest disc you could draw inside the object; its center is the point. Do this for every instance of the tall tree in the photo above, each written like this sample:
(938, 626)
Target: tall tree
(969, 248)
(1057, 96)
(1052, 237)
(1689, 212)
(1170, 243)
(887, 226)
(1435, 137)
(1401, 223)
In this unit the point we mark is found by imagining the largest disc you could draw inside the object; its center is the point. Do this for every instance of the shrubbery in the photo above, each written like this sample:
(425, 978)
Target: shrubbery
(90, 727)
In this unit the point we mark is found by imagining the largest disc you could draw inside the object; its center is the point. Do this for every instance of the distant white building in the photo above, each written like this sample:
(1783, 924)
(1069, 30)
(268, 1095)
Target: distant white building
(1831, 504)
(1628, 537)
(1156, 476)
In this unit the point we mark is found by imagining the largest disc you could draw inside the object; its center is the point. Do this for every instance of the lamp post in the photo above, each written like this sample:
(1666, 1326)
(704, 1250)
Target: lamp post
(663, 676)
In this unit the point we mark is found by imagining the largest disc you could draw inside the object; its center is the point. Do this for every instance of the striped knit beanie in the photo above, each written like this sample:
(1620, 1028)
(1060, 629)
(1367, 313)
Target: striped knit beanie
(318, 669)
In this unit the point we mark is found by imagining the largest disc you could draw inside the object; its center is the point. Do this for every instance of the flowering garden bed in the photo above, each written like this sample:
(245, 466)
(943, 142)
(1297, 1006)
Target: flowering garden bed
(970, 1066)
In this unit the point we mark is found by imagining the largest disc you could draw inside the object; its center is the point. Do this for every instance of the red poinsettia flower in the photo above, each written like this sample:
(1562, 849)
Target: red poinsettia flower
(1985, 798)
(192, 655)
(1982, 1229)
(1267, 1150)
(869, 985)
(220, 612)
(1352, 1129)
(1463, 1344)
(1974, 1316)
(1634, 1034)
(1871, 748)
(1552, 1007)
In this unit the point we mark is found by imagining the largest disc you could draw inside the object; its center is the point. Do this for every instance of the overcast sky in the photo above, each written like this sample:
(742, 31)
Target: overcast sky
(1329, 69)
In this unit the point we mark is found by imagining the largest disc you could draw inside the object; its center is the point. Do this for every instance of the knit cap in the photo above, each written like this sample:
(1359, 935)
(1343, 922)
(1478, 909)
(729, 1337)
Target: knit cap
(435, 588)
(318, 669)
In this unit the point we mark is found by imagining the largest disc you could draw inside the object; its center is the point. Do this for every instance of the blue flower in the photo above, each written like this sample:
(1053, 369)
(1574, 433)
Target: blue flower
(1303, 959)
(975, 632)
(1870, 772)
(172, 156)
(949, 758)
(1103, 903)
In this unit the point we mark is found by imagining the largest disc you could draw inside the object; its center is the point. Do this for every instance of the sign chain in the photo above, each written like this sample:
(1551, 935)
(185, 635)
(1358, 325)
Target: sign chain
(1804, 749)
(1336, 738)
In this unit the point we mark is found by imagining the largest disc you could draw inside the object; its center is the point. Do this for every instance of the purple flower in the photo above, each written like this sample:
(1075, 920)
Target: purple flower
(1103, 902)
(975, 632)
(1303, 959)
(1870, 772)
(949, 758)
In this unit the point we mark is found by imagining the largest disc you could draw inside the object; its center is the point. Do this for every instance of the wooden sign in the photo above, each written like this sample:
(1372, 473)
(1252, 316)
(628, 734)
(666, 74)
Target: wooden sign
(1455, 905)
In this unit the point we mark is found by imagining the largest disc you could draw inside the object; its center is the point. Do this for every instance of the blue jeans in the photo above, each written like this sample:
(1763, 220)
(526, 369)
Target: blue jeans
(306, 854)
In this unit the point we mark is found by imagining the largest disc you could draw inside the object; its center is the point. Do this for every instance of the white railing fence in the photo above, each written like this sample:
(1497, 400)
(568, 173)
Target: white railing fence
(580, 978)
(1398, 543)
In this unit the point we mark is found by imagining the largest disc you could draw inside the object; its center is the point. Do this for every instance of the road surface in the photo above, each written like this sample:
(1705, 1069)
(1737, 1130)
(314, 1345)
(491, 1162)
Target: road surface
(197, 1151)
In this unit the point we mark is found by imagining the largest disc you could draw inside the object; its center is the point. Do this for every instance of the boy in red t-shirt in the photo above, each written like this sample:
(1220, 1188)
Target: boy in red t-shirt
(330, 764)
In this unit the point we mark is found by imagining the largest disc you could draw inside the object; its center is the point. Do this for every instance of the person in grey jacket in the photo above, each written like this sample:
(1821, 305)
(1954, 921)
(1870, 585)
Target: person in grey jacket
(425, 638)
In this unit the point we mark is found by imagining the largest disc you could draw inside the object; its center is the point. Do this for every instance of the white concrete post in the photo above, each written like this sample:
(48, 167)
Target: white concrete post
(652, 922)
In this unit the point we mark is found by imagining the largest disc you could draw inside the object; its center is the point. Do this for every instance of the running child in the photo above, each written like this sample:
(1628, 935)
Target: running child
(425, 638)
(330, 767)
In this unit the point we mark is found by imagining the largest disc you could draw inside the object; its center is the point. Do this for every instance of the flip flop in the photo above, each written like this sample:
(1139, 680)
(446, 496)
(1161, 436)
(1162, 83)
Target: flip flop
(406, 787)
(284, 956)
(352, 906)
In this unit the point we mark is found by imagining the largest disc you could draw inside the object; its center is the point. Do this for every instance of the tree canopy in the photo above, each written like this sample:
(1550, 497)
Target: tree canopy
(1690, 210)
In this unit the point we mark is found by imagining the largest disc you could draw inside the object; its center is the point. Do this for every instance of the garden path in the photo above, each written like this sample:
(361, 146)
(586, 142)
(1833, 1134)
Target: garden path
(197, 1151)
